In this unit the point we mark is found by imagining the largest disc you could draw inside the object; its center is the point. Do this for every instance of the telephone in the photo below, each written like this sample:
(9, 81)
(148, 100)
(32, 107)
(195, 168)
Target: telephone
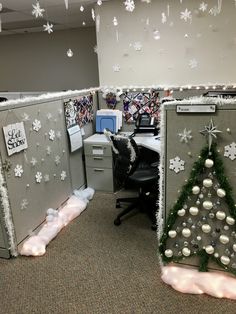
(145, 124)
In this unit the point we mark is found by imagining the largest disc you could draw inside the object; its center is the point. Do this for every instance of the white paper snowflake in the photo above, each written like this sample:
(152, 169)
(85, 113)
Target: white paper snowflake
(63, 175)
(93, 14)
(129, 5)
(48, 28)
(185, 136)
(25, 117)
(38, 177)
(138, 46)
(18, 171)
(58, 135)
(49, 116)
(116, 68)
(24, 204)
(48, 150)
(230, 151)
(36, 125)
(57, 160)
(46, 178)
(193, 63)
(51, 134)
(203, 6)
(186, 15)
(33, 161)
(37, 11)
(214, 11)
(176, 164)
(163, 18)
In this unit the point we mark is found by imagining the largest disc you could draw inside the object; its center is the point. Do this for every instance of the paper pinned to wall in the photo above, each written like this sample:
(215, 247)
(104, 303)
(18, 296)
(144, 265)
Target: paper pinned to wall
(75, 137)
(15, 138)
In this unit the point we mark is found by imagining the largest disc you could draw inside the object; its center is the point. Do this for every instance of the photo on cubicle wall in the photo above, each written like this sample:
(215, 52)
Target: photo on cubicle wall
(79, 111)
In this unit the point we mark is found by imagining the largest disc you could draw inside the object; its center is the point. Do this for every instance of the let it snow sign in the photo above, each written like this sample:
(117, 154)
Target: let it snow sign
(15, 138)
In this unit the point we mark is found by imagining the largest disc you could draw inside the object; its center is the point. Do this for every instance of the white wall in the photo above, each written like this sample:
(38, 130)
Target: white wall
(38, 61)
(211, 41)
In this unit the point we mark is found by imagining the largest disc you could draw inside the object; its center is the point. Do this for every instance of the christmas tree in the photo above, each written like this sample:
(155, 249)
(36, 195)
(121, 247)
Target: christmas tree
(202, 221)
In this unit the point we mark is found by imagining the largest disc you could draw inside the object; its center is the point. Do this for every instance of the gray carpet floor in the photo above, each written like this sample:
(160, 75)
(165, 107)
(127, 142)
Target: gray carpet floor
(95, 267)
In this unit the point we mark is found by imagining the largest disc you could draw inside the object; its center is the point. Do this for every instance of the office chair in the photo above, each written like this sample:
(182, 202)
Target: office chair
(130, 170)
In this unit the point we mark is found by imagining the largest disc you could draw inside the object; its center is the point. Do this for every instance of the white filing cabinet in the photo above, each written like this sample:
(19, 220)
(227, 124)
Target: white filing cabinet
(98, 161)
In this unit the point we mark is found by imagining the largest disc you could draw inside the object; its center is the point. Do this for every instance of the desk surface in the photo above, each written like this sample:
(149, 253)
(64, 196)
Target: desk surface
(151, 142)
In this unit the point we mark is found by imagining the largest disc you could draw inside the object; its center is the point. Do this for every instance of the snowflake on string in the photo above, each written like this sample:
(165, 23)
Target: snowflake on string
(37, 11)
(18, 171)
(116, 68)
(203, 7)
(163, 18)
(46, 177)
(214, 11)
(24, 204)
(185, 136)
(48, 150)
(137, 46)
(93, 14)
(33, 161)
(176, 164)
(36, 125)
(49, 116)
(38, 177)
(58, 135)
(186, 15)
(25, 117)
(57, 160)
(51, 134)
(63, 175)
(129, 5)
(193, 63)
(48, 28)
(230, 151)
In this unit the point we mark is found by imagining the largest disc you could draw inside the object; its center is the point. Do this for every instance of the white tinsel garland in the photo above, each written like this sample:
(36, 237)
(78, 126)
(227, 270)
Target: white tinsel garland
(7, 214)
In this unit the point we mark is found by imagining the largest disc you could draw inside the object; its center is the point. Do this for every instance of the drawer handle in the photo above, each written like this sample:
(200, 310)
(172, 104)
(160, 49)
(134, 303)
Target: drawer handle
(100, 170)
(97, 158)
(97, 146)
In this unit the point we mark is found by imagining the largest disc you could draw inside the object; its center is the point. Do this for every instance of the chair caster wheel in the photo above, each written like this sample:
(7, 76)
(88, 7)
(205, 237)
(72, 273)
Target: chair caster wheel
(117, 222)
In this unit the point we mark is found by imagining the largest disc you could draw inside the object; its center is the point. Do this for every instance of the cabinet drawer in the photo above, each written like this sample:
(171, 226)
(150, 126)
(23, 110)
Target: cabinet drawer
(98, 161)
(100, 179)
(97, 149)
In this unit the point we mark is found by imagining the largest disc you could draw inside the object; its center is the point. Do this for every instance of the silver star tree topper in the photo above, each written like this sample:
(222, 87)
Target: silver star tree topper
(211, 132)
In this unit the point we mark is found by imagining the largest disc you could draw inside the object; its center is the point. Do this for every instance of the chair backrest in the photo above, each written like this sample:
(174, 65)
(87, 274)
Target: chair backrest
(126, 157)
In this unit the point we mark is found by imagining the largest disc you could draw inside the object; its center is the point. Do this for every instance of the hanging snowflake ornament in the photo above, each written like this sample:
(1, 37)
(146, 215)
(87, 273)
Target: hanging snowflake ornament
(230, 151)
(25, 117)
(18, 171)
(203, 7)
(116, 68)
(193, 63)
(81, 8)
(176, 164)
(214, 11)
(24, 204)
(185, 136)
(36, 125)
(211, 132)
(37, 10)
(46, 178)
(186, 15)
(129, 5)
(38, 177)
(33, 161)
(156, 34)
(63, 175)
(51, 134)
(69, 53)
(57, 160)
(48, 28)
(163, 18)
(93, 14)
(114, 21)
(137, 46)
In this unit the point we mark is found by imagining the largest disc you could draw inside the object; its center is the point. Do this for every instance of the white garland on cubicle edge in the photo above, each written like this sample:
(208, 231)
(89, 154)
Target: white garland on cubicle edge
(7, 214)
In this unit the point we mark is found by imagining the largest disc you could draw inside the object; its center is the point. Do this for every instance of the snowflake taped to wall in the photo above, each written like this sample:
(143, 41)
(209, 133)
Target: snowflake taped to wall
(38, 177)
(230, 151)
(36, 125)
(18, 171)
(63, 175)
(79, 111)
(176, 164)
(185, 136)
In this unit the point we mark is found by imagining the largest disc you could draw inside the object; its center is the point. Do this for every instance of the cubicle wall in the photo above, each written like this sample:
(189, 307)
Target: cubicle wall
(43, 174)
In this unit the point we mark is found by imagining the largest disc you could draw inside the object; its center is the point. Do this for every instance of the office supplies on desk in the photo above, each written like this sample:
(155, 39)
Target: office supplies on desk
(108, 119)
(145, 124)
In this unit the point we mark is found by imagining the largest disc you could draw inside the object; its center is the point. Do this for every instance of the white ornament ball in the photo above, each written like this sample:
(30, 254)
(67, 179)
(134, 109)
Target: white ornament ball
(206, 228)
(172, 233)
(186, 251)
(196, 189)
(186, 232)
(209, 249)
(220, 215)
(216, 255)
(221, 193)
(225, 260)
(230, 220)
(224, 239)
(234, 247)
(181, 212)
(50, 211)
(209, 163)
(193, 211)
(199, 238)
(49, 218)
(207, 183)
(207, 205)
(168, 253)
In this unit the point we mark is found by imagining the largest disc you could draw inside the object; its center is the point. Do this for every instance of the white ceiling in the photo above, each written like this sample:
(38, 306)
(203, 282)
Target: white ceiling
(16, 15)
